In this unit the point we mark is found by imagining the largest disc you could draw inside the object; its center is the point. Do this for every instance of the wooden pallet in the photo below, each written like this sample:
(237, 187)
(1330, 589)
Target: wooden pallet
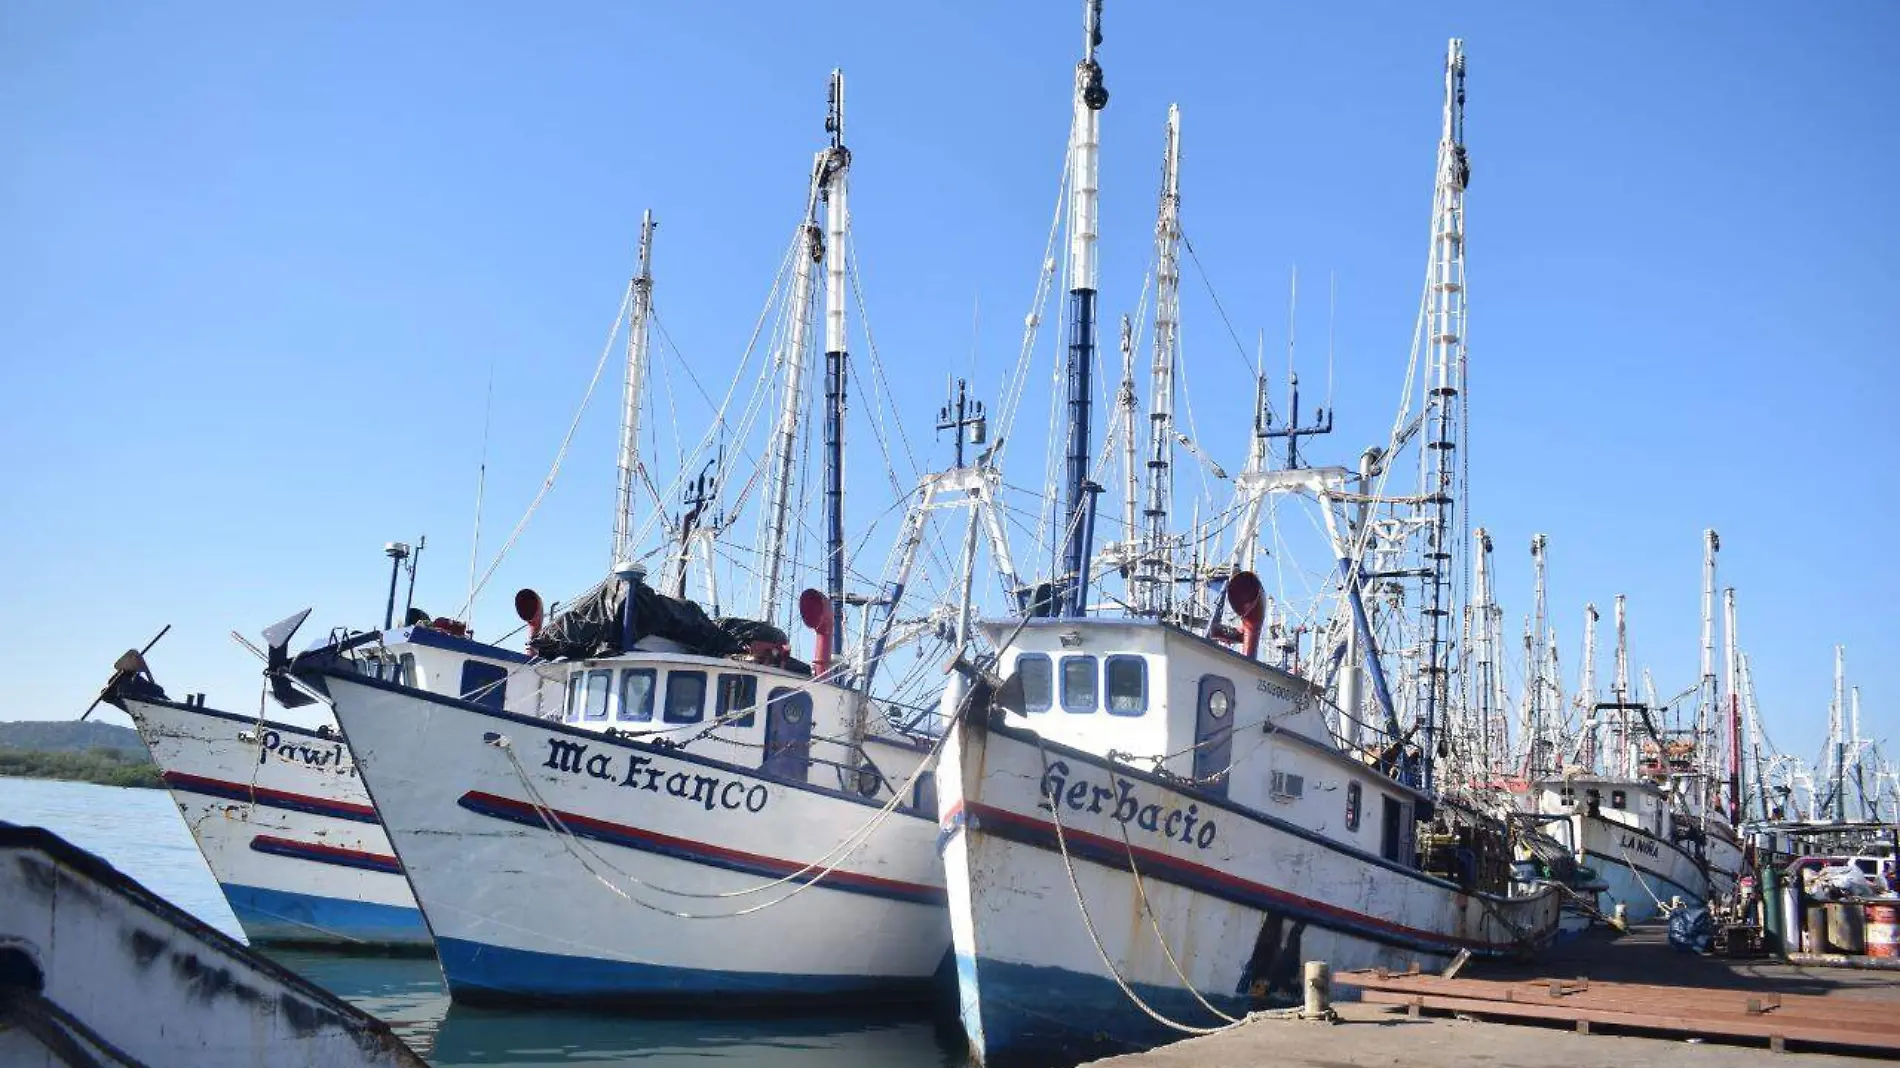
(1843, 1022)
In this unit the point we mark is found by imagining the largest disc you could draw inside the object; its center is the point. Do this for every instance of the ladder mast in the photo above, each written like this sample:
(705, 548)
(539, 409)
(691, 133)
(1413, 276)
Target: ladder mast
(1709, 756)
(1731, 667)
(793, 357)
(1479, 616)
(642, 299)
(1131, 467)
(1084, 185)
(1156, 565)
(1836, 733)
(1446, 327)
(1535, 655)
(1625, 765)
(1592, 728)
(837, 162)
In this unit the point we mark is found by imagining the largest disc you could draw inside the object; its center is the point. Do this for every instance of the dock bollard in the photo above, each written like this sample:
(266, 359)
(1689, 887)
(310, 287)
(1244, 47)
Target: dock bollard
(1319, 991)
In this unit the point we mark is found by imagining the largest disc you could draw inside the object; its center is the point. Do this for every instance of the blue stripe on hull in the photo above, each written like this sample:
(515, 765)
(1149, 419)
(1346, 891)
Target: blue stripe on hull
(1022, 1014)
(283, 917)
(483, 974)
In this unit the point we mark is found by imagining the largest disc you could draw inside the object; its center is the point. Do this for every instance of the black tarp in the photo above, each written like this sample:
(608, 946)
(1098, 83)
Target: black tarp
(591, 625)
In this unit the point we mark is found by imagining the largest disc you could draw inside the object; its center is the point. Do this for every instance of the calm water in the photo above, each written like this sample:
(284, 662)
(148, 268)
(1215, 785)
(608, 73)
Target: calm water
(140, 833)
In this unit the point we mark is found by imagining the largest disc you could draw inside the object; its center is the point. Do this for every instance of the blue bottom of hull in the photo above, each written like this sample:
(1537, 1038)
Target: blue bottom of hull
(1024, 1014)
(485, 974)
(306, 919)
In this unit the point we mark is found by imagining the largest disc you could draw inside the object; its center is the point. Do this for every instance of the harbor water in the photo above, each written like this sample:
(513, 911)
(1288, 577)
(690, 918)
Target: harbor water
(139, 832)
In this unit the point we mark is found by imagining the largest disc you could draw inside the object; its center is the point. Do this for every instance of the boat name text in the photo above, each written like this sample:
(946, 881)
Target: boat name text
(1642, 845)
(1080, 795)
(642, 772)
(332, 756)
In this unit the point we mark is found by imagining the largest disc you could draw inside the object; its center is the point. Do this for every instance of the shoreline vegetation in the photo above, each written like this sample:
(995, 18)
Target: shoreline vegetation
(107, 767)
(76, 751)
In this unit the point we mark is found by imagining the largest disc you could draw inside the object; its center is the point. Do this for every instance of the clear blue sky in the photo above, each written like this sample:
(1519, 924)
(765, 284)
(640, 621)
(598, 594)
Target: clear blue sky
(259, 260)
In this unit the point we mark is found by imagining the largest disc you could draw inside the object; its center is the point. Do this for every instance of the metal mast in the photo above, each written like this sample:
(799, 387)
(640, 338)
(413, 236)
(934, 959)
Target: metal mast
(1592, 728)
(1709, 756)
(1484, 652)
(793, 358)
(642, 299)
(1156, 565)
(836, 162)
(1835, 734)
(1085, 138)
(1624, 764)
(1445, 318)
(1125, 408)
(1535, 655)
(1732, 671)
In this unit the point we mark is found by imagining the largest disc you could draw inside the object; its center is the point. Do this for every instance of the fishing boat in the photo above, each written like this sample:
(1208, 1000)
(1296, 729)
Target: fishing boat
(710, 821)
(1148, 827)
(95, 969)
(1102, 904)
(278, 809)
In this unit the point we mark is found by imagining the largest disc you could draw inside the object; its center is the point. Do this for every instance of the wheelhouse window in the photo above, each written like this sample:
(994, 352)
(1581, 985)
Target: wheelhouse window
(685, 696)
(636, 695)
(1038, 682)
(1078, 684)
(1618, 799)
(1127, 679)
(406, 670)
(484, 683)
(738, 693)
(576, 687)
(598, 684)
(1353, 796)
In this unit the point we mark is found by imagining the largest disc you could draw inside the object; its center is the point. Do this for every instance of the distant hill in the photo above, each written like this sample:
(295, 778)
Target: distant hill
(76, 751)
(70, 736)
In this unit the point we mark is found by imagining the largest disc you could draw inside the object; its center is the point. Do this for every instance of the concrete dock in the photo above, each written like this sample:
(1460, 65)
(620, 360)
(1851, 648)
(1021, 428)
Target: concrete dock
(1370, 1035)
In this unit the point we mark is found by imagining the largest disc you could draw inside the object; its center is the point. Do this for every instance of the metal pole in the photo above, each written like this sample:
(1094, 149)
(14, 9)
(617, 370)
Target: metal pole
(1084, 185)
(1156, 562)
(641, 293)
(837, 362)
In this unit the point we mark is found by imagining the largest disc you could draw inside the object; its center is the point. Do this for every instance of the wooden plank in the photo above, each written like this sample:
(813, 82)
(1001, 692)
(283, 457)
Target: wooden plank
(1698, 1025)
(1637, 997)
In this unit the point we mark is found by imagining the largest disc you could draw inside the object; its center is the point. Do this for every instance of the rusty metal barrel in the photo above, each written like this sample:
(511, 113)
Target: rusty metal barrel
(1883, 929)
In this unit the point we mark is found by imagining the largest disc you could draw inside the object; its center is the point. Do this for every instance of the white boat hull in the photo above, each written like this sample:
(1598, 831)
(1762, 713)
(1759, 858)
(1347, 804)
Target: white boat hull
(1242, 899)
(1641, 871)
(285, 826)
(103, 971)
(580, 912)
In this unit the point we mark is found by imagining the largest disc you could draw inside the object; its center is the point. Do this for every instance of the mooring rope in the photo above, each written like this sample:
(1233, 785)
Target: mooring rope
(1089, 924)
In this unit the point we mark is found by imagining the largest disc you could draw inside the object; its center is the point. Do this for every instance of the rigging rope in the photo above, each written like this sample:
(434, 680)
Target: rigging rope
(560, 456)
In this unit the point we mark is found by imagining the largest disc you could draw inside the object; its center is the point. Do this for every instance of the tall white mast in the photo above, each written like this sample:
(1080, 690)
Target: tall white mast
(1708, 756)
(1625, 765)
(1835, 733)
(793, 359)
(1732, 670)
(1593, 727)
(1125, 411)
(642, 298)
(1445, 318)
(835, 163)
(1085, 144)
(1484, 656)
(1534, 657)
(1156, 562)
